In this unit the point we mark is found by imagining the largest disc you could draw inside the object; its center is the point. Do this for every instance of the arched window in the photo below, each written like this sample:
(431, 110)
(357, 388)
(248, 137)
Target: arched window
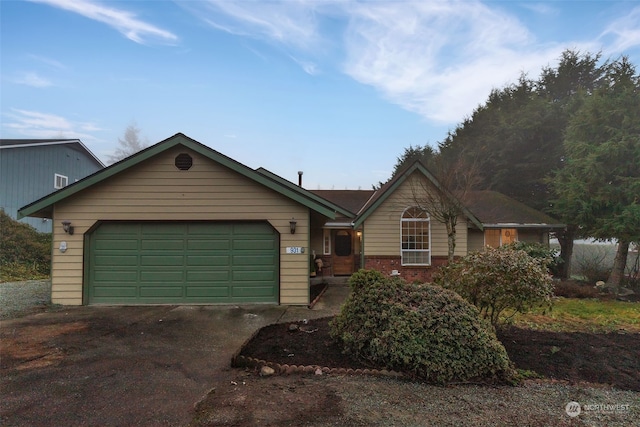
(416, 237)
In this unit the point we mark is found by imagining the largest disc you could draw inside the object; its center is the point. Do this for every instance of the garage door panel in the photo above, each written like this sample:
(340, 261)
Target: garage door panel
(210, 276)
(116, 276)
(115, 260)
(182, 262)
(123, 291)
(252, 292)
(163, 275)
(209, 260)
(117, 244)
(208, 244)
(165, 244)
(158, 291)
(160, 260)
(214, 292)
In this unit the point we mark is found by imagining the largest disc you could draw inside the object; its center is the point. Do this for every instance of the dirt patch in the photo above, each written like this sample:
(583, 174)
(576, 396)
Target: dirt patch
(609, 359)
(34, 346)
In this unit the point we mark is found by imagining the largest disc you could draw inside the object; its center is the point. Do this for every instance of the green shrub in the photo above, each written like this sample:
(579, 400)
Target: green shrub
(497, 280)
(423, 330)
(546, 255)
(24, 252)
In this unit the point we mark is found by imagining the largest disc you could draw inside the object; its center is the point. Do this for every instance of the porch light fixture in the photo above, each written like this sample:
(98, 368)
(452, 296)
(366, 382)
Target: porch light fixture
(67, 227)
(292, 225)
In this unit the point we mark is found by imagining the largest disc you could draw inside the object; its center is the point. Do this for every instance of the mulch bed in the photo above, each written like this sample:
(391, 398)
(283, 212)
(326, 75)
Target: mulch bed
(609, 359)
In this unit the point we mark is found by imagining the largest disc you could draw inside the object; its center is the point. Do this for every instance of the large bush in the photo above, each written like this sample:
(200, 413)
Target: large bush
(498, 280)
(424, 330)
(24, 252)
(543, 253)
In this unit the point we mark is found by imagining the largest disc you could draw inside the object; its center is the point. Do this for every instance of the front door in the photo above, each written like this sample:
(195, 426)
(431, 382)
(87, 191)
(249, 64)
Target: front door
(343, 253)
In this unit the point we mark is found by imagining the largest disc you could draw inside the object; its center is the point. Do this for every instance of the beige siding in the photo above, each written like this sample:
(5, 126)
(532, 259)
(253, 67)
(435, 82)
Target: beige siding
(382, 227)
(476, 240)
(157, 190)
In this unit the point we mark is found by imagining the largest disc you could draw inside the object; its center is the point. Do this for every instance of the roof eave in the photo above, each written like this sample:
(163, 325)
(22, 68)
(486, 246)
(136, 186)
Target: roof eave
(59, 142)
(524, 225)
(417, 166)
(314, 197)
(45, 204)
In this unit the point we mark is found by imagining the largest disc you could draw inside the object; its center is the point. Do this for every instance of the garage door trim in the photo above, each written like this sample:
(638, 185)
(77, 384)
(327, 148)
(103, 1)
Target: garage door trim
(90, 272)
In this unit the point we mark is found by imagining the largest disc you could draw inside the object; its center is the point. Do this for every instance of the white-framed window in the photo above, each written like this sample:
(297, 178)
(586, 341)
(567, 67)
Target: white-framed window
(326, 242)
(415, 237)
(60, 181)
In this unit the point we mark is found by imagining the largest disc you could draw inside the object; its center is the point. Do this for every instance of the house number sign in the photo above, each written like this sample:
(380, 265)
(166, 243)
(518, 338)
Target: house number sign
(295, 250)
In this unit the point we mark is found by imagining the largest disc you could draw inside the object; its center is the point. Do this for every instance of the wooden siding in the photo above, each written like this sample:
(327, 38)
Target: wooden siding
(476, 240)
(28, 174)
(382, 228)
(157, 190)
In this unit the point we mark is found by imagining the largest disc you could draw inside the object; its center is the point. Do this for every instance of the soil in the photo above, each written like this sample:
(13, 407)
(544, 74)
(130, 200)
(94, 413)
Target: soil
(65, 374)
(577, 357)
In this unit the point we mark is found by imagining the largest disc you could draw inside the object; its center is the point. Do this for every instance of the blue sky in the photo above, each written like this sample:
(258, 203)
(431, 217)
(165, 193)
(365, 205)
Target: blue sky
(336, 89)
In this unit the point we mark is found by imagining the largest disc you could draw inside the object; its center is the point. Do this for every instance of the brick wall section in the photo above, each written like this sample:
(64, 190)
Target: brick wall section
(386, 264)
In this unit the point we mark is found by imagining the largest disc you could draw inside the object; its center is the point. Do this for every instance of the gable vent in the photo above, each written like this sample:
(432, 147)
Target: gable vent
(184, 161)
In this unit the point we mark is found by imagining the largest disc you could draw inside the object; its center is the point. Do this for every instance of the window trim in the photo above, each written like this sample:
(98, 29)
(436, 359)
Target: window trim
(326, 241)
(63, 178)
(426, 220)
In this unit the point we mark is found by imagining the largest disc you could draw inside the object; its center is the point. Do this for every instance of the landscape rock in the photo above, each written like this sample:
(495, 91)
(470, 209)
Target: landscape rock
(267, 371)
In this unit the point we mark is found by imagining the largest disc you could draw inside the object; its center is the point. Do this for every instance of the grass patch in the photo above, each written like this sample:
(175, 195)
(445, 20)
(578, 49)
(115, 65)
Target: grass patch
(583, 315)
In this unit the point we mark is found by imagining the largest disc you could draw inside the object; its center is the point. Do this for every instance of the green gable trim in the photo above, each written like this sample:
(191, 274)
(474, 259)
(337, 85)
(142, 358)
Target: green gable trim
(44, 206)
(307, 193)
(395, 183)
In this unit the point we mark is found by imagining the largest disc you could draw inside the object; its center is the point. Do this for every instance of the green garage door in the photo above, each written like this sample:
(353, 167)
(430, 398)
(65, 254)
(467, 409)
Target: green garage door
(182, 263)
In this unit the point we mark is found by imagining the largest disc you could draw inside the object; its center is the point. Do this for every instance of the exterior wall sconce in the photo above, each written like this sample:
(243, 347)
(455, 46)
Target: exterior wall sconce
(292, 226)
(67, 227)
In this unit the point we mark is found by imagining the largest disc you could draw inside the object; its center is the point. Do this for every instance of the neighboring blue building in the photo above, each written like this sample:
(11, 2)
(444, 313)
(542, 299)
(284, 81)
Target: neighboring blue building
(32, 168)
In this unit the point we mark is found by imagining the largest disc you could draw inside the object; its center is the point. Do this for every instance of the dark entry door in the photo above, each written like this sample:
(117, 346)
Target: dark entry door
(343, 253)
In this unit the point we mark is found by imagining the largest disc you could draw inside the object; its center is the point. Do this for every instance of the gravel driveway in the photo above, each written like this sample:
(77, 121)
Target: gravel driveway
(18, 299)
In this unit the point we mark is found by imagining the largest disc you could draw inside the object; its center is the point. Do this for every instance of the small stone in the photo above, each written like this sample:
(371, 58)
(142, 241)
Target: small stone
(293, 327)
(266, 371)
(318, 371)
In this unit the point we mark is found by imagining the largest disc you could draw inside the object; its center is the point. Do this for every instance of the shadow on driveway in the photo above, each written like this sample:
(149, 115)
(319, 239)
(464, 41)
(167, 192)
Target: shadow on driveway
(127, 365)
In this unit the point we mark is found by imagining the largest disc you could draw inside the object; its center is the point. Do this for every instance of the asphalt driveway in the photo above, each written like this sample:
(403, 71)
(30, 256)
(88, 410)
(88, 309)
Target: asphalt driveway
(127, 365)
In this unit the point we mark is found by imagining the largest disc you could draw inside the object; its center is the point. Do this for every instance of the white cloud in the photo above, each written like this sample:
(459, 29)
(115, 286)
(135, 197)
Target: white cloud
(309, 67)
(51, 62)
(625, 32)
(439, 59)
(540, 8)
(125, 22)
(34, 80)
(292, 23)
(35, 124)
